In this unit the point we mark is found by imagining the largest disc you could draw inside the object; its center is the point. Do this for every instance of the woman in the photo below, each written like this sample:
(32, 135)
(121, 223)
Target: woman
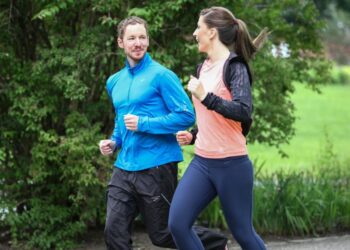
(221, 166)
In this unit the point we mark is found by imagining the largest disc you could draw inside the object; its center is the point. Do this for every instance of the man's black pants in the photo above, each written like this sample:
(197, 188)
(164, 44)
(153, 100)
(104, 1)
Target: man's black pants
(148, 192)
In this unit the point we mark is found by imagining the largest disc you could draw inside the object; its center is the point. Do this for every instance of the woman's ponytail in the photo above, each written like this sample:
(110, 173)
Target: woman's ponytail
(244, 45)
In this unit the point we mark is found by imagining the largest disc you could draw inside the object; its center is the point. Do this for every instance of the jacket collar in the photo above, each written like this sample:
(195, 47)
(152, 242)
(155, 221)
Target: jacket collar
(232, 55)
(142, 64)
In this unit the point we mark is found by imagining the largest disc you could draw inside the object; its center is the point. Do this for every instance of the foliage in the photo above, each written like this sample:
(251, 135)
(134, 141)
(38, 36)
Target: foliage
(323, 5)
(55, 57)
(45, 226)
(300, 203)
(336, 33)
(340, 75)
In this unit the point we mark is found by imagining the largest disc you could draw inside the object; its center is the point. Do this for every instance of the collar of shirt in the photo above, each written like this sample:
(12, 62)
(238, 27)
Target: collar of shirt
(138, 67)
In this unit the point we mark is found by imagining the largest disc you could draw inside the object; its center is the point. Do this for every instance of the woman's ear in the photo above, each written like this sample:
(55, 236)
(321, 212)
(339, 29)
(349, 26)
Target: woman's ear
(213, 33)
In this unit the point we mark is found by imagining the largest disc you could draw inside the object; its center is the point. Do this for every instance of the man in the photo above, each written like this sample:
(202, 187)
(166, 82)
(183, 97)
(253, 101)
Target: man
(151, 106)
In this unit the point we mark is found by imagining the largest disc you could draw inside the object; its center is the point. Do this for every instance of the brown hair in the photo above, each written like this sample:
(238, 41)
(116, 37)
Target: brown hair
(233, 31)
(130, 21)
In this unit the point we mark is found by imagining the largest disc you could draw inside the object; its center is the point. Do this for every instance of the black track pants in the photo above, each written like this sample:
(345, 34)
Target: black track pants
(148, 192)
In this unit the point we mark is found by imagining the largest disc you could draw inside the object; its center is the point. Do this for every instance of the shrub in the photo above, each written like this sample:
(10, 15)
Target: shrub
(340, 75)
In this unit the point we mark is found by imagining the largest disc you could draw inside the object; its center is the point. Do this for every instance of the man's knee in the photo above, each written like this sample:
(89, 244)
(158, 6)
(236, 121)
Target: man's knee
(108, 229)
(117, 227)
(109, 233)
(116, 238)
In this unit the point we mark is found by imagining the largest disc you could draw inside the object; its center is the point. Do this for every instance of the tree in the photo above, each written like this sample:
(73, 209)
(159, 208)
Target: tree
(323, 5)
(337, 30)
(55, 58)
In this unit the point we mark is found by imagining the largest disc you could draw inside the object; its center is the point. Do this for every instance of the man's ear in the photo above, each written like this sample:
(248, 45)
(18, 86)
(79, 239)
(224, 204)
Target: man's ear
(120, 43)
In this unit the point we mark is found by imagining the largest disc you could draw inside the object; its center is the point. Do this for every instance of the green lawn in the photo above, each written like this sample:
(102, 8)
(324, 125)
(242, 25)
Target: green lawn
(316, 113)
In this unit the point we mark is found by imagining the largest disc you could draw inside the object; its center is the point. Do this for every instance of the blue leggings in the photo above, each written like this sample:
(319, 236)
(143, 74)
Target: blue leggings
(232, 180)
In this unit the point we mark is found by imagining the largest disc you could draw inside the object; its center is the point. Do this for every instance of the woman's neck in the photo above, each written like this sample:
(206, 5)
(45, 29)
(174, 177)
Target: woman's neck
(218, 52)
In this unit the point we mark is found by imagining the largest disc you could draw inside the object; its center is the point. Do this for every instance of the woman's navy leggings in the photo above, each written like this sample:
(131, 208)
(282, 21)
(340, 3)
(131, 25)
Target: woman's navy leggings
(232, 180)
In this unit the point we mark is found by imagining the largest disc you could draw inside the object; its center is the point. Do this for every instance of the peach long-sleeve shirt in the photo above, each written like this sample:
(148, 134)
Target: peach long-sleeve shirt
(218, 137)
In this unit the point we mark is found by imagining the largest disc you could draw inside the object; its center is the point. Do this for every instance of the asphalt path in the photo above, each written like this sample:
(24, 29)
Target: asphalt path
(341, 242)
(94, 241)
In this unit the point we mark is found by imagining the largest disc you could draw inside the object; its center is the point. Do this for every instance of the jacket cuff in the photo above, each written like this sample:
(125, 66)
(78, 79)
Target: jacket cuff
(208, 100)
(143, 124)
(194, 133)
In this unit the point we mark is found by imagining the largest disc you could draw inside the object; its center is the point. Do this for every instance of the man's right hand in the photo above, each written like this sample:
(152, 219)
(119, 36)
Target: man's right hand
(184, 137)
(107, 147)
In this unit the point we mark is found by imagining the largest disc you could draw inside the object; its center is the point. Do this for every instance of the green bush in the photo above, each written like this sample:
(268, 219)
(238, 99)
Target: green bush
(64, 189)
(45, 226)
(302, 203)
(340, 75)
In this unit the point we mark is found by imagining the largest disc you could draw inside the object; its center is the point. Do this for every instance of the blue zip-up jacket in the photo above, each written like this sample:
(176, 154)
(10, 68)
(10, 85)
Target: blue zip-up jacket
(155, 94)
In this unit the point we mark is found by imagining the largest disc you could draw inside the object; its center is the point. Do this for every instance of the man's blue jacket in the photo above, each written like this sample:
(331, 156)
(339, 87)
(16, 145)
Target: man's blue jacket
(155, 94)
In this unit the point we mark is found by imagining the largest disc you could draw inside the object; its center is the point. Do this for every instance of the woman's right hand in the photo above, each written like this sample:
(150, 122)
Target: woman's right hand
(107, 147)
(184, 137)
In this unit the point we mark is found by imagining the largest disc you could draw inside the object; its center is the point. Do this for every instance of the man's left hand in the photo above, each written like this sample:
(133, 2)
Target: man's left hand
(131, 122)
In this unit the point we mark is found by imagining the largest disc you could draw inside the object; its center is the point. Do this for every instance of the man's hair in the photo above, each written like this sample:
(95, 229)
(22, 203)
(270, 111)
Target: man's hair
(130, 21)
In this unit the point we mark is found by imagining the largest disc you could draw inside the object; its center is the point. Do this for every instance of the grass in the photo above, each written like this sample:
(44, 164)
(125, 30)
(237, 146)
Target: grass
(317, 114)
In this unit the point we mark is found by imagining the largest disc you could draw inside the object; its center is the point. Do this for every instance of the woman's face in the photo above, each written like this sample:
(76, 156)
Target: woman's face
(202, 35)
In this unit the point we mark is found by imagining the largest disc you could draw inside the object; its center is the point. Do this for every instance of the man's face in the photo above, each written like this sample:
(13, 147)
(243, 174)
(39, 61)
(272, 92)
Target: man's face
(135, 42)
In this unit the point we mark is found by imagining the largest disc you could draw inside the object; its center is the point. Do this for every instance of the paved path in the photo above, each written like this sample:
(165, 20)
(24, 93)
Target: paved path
(324, 243)
(141, 242)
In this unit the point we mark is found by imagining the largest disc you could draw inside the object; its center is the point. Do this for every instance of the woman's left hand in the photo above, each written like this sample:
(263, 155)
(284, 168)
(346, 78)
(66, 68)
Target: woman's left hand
(196, 88)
